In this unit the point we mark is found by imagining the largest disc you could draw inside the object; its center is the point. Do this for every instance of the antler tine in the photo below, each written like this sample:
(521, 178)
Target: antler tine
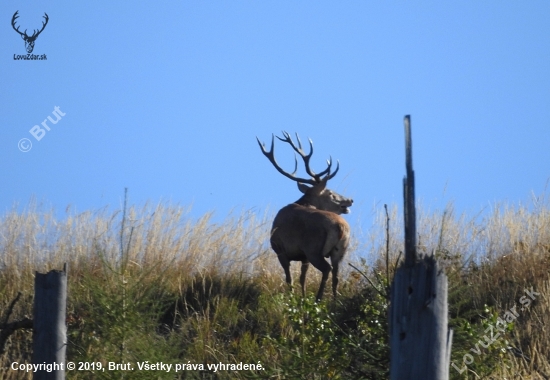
(331, 176)
(47, 19)
(15, 17)
(327, 170)
(299, 142)
(271, 157)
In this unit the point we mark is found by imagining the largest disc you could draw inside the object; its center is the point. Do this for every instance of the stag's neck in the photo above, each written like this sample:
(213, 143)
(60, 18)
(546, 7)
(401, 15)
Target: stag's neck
(304, 201)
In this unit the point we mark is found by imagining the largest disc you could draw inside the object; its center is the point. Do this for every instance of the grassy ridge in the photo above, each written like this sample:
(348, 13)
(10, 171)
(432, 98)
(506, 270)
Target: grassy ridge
(151, 284)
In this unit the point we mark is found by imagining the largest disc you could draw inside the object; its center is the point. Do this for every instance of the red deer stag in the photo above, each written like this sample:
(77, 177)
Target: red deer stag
(310, 229)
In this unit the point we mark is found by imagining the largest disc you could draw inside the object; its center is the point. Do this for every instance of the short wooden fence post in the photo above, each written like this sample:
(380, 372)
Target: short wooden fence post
(50, 329)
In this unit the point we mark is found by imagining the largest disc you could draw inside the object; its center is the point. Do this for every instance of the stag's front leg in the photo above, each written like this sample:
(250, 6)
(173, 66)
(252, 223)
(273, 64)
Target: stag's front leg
(323, 283)
(305, 266)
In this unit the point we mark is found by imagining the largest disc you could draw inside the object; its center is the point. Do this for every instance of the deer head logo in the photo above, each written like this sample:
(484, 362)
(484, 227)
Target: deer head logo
(29, 40)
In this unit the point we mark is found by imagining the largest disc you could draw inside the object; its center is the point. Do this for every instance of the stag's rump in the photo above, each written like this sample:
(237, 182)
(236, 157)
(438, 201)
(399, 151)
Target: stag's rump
(300, 231)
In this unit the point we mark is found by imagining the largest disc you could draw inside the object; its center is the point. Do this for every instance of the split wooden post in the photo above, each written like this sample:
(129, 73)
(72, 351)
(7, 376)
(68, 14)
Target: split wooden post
(50, 329)
(420, 340)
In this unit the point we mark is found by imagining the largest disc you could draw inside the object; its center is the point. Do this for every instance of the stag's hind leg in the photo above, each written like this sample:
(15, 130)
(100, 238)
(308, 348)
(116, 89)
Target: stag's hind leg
(335, 264)
(285, 263)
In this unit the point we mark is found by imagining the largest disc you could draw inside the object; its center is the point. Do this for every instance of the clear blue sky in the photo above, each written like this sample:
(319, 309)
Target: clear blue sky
(167, 98)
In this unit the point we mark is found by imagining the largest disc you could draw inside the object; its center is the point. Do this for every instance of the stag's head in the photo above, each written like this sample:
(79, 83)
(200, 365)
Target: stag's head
(29, 40)
(317, 195)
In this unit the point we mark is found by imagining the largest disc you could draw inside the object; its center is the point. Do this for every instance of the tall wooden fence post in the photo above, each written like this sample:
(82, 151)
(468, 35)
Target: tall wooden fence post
(50, 329)
(420, 341)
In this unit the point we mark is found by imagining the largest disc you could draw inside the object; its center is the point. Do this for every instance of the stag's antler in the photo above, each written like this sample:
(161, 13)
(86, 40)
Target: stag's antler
(27, 38)
(298, 149)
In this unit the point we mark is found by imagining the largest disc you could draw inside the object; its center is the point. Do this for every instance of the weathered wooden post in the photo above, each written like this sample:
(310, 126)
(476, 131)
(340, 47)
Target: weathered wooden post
(50, 329)
(420, 340)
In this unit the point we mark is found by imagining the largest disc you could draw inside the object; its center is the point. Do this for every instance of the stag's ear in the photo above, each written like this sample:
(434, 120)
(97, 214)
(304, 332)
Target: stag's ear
(315, 189)
(303, 187)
